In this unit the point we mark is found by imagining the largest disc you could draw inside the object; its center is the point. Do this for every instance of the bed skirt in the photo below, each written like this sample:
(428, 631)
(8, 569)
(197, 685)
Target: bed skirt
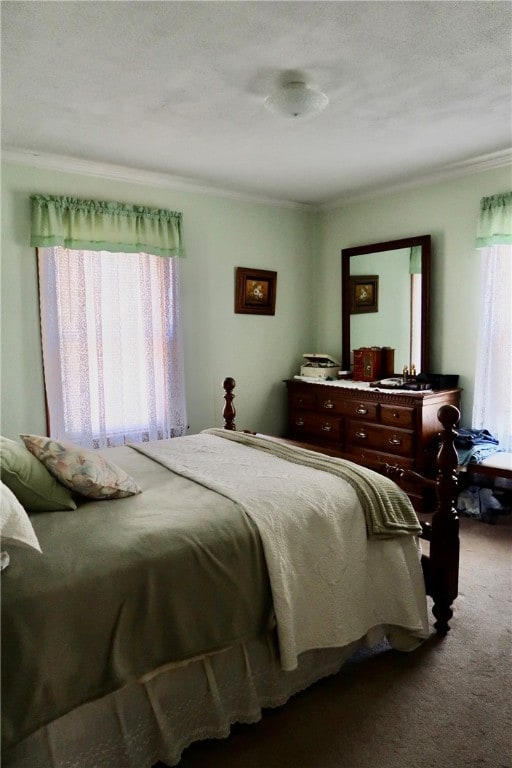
(158, 717)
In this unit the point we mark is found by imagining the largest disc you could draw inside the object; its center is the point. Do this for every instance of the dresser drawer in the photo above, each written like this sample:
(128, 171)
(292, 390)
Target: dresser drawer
(315, 425)
(303, 400)
(359, 409)
(397, 416)
(370, 458)
(330, 404)
(395, 441)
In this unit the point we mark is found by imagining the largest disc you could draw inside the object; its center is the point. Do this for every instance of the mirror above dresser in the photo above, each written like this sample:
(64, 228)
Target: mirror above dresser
(386, 302)
(362, 417)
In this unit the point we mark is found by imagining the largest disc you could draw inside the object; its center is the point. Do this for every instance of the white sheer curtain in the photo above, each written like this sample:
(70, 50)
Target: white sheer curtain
(492, 404)
(112, 346)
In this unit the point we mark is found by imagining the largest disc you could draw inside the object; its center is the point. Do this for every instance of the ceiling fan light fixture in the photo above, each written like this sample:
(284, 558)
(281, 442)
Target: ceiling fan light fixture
(296, 99)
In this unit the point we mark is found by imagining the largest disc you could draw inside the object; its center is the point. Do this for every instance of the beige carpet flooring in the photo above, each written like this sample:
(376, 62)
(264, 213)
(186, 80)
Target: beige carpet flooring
(446, 705)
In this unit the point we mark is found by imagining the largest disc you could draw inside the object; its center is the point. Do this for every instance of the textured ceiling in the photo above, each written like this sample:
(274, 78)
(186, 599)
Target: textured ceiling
(178, 88)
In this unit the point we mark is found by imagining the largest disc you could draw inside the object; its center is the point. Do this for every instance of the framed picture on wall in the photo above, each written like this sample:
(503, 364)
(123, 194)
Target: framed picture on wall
(364, 294)
(255, 291)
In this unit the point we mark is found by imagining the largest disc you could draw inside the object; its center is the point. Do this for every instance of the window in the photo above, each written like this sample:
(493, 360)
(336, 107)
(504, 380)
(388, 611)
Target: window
(112, 347)
(492, 404)
(110, 319)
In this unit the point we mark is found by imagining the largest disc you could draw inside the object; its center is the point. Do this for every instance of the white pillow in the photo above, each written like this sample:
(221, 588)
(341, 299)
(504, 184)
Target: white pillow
(15, 524)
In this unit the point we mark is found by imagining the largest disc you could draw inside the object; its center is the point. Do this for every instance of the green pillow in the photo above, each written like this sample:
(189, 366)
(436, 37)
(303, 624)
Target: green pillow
(30, 481)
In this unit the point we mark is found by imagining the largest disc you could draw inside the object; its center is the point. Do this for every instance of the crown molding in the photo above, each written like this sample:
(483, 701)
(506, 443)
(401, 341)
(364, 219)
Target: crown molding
(114, 172)
(487, 162)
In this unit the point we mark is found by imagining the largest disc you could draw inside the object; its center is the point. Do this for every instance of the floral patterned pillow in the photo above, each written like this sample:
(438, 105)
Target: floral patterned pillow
(81, 470)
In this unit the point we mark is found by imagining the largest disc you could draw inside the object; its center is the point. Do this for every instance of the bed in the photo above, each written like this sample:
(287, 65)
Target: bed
(245, 570)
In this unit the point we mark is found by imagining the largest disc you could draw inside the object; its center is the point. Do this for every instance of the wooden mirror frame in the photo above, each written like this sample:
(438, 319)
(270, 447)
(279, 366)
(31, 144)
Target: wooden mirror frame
(391, 245)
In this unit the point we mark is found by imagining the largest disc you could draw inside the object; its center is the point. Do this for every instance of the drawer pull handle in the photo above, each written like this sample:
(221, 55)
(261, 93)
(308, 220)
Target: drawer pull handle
(361, 434)
(328, 404)
(326, 428)
(395, 441)
(396, 415)
(299, 423)
(362, 410)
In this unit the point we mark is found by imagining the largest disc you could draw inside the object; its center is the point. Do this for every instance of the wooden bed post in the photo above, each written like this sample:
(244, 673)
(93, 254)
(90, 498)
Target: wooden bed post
(443, 563)
(229, 412)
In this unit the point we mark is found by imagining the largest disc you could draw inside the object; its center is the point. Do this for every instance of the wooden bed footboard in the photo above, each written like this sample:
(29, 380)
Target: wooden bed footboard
(441, 564)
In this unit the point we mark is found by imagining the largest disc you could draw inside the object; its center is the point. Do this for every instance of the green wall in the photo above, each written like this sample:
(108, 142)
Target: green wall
(224, 232)
(220, 233)
(448, 211)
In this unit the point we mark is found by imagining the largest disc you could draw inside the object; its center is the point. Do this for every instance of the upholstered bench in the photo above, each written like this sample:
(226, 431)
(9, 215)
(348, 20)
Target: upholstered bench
(497, 465)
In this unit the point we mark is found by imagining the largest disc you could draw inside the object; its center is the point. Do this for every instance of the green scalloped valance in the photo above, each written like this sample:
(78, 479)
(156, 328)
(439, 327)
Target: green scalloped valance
(103, 226)
(495, 221)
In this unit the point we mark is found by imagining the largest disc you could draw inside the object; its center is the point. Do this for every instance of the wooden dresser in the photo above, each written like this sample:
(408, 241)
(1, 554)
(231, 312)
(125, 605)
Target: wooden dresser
(367, 426)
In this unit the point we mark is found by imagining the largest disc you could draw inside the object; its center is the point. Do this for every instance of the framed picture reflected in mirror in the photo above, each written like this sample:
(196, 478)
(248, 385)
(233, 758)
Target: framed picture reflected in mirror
(364, 294)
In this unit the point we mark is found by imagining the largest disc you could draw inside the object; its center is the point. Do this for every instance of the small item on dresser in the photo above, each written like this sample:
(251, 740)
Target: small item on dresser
(367, 363)
(439, 381)
(388, 361)
(394, 382)
(319, 366)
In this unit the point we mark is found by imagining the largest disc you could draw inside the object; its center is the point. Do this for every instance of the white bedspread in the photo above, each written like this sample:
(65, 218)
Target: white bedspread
(330, 583)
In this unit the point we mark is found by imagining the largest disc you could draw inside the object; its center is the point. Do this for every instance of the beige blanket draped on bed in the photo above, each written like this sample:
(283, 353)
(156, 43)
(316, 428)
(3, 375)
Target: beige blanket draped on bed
(326, 574)
(387, 508)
